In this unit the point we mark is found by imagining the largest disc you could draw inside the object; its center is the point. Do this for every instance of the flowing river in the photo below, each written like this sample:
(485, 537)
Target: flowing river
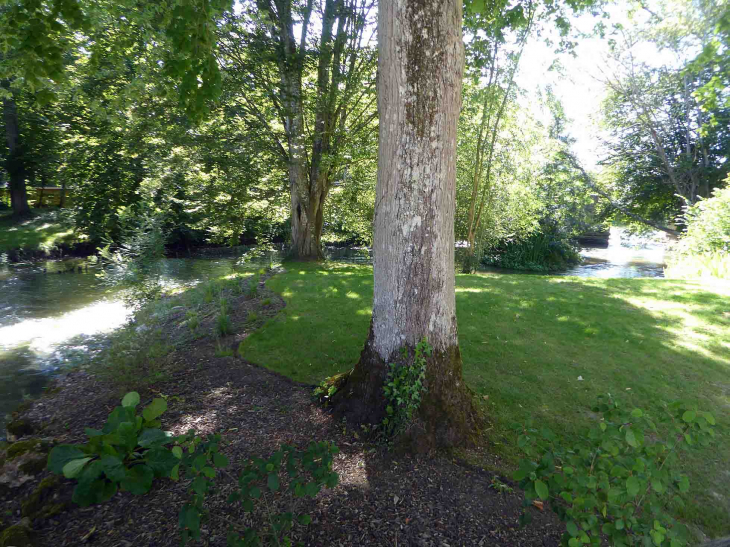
(55, 313)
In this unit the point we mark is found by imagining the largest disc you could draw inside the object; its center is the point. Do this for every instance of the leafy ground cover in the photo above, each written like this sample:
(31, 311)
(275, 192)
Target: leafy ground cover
(540, 347)
(41, 232)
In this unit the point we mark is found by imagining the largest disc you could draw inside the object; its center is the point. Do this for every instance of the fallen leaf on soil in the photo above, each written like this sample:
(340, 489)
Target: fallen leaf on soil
(538, 504)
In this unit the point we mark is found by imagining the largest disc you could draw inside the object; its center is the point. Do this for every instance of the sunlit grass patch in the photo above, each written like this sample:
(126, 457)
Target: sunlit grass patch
(42, 232)
(540, 347)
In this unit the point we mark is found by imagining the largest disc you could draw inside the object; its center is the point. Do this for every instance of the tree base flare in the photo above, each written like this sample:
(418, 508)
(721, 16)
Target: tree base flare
(446, 417)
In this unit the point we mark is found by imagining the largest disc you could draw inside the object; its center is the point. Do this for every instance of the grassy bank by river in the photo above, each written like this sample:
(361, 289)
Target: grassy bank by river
(540, 347)
(41, 232)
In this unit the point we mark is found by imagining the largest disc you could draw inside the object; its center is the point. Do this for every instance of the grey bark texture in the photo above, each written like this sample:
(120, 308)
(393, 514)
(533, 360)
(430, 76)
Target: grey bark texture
(419, 96)
(421, 58)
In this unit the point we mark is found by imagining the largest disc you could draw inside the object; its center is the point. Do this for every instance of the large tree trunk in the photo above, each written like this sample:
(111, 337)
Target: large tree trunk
(419, 95)
(15, 164)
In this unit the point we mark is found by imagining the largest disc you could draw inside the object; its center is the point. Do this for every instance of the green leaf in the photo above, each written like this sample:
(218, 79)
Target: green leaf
(304, 520)
(542, 489)
(151, 437)
(130, 400)
(637, 413)
(574, 542)
(113, 468)
(199, 485)
(208, 472)
(138, 480)
(632, 486)
(656, 537)
(177, 452)
(61, 455)
(572, 528)
(161, 461)
(273, 482)
(689, 416)
(710, 418)
(72, 469)
(631, 438)
(657, 485)
(619, 524)
(684, 484)
(155, 409)
(219, 460)
(175, 473)
(477, 6)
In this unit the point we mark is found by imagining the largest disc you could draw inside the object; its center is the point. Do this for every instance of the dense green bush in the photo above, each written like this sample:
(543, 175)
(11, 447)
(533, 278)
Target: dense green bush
(617, 480)
(543, 251)
(704, 249)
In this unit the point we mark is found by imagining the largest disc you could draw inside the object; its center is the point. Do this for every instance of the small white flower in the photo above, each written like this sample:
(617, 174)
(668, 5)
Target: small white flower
(580, 378)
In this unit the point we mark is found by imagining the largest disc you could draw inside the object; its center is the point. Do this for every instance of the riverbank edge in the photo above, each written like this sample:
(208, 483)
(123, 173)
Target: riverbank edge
(49, 518)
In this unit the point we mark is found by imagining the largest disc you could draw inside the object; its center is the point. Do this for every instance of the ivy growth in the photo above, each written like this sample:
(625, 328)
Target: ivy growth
(404, 387)
(616, 482)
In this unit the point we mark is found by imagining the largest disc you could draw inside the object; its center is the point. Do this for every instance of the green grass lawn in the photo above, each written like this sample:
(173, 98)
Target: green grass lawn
(526, 340)
(41, 232)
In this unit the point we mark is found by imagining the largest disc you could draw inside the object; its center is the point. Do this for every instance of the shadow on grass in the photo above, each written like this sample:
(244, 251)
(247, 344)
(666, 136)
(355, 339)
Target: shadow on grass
(540, 347)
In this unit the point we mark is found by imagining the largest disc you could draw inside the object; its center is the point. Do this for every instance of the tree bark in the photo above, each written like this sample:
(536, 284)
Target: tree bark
(15, 163)
(310, 175)
(419, 95)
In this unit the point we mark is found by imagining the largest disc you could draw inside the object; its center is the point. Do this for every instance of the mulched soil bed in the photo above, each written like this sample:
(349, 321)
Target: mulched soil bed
(382, 498)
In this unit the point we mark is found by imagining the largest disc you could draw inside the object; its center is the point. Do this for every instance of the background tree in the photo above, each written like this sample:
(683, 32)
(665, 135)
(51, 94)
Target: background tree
(666, 148)
(317, 91)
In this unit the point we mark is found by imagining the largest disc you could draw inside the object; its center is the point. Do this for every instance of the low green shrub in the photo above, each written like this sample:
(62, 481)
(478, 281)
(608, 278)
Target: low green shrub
(704, 249)
(127, 453)
(192, 320)
(542, 251)
(616, 482)
(306, 472)
(131, 450)
(223, 325)
(253, 287)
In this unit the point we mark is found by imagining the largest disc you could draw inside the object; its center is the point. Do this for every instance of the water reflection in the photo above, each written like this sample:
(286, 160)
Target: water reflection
(625, 256)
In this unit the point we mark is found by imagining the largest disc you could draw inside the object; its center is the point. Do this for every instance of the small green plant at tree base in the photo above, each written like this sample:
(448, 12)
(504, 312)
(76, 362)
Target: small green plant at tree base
(223, 325)
(224, 306)
(266, 302)
(404, 387)
(127, 453)
(616, 481)
(252, 317)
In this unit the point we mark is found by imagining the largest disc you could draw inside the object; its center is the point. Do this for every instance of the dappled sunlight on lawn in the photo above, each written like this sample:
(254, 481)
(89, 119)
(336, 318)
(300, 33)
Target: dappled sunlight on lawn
(533, 346)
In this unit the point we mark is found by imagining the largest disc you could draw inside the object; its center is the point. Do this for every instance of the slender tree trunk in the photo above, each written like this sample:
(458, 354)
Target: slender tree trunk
(62, 198)
(15, 164)
(419, 94)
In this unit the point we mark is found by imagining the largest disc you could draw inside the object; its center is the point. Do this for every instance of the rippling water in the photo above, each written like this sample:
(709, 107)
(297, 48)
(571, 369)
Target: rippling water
(624, 257)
